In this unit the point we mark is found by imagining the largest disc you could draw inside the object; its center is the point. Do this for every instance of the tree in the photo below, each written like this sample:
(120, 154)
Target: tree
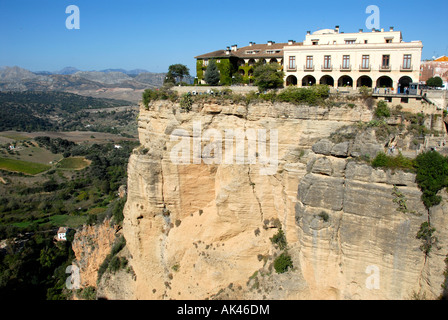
(434, 82)
(169, 79)
(432, 176)
(212, 75)
(268, 76)
(177, 72)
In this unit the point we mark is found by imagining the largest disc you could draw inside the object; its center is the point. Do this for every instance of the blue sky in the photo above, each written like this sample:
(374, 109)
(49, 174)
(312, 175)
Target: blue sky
(155, 34)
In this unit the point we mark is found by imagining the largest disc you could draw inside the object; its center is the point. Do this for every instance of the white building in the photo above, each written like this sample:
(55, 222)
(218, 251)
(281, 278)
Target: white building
(62, 234)
(376, 58)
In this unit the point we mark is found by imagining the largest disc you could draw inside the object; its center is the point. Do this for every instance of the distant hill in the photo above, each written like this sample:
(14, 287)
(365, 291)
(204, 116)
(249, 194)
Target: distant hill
(14, 74)
(67, 71)
(73, 80)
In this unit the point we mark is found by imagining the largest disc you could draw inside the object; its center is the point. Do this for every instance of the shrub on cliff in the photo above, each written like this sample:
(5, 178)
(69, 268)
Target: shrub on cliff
(382, 110)
(382, 160)
(311, 96)
(432, 176)
(158, 94)
(279, 239)
(282, 263)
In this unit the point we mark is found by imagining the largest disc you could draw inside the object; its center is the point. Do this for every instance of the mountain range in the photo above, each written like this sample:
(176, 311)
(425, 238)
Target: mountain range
(72, 70)
(69, 79)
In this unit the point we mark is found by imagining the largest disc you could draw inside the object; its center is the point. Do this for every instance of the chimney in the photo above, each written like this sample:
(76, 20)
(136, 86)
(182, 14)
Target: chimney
(234, 47)
(391, 29)
(308, 33)
(361, 31)
(270, 43)
(228, 50)
(251, 44)
(382, 29)
(336, 29)
(291, 42)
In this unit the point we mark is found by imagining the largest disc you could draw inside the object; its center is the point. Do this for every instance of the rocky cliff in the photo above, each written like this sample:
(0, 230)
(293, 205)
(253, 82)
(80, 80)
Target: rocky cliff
(203, 230)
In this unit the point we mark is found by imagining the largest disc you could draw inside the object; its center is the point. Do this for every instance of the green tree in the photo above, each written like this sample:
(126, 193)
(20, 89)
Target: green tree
(212, 75)
(268, 76)
(432, 176)
(169, 79)
(177, 72)
(434, 82)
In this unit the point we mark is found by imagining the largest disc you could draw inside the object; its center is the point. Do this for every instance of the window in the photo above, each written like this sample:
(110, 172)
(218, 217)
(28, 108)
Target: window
(309, 62)
(346, 62)
(327, 62)
(388, 40)
(407, 61)
(350, 41)
(365, 62)
(366, 41)
(206, 62)
(315, 42)
(292, 62)
(386, 61)
(270, 51)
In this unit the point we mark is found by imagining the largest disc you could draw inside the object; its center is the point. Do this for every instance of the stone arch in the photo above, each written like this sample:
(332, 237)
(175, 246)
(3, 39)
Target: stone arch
(364, 81)
(345, 81)
(291, 80)
(384, 82)
(328, 80)
(308, 80)
(404, 82)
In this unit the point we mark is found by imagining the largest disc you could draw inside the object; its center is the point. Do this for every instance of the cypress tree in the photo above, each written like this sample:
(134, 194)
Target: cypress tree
(212, 75)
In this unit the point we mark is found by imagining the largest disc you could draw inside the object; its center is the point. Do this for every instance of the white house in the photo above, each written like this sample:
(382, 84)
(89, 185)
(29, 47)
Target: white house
(376, 58)
(62, 234)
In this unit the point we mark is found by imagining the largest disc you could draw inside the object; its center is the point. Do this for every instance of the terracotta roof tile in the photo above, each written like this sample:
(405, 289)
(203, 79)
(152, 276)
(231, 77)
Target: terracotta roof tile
(258, 51)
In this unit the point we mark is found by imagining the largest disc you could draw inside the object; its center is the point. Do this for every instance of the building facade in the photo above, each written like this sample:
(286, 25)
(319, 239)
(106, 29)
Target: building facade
(376, 59)
(239, 63)
(435, 68)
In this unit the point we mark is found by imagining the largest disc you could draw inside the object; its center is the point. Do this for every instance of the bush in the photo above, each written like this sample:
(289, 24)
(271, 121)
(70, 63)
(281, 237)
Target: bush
(279, 239)
(398, 162)
(382, 110)
(324, 216)
(311, 96)
(282, 263)
(426, 235)
(186, 102)
(432, 176)
(158, 94)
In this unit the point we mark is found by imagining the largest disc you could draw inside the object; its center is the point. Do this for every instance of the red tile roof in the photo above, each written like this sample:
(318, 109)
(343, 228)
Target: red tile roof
(251, 51)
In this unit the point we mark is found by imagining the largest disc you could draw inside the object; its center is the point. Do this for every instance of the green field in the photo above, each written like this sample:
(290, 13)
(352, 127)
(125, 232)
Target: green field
(73, 163)
(26, 167)
(58, 220)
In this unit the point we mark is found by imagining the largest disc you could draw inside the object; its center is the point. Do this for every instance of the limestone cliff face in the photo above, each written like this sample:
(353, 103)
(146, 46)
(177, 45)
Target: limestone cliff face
(198, 231)
(91, 245)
